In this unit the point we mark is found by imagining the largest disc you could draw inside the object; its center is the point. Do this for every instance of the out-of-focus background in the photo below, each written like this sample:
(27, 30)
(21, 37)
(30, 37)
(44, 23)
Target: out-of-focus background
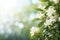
(16, 19)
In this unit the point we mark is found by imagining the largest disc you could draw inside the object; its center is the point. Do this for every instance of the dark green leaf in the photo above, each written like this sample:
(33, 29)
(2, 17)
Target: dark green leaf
(49, 4)
(41, 29)
(40, 24)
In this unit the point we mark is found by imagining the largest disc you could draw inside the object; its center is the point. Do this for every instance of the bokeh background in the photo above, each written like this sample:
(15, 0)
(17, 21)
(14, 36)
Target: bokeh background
(16, 19)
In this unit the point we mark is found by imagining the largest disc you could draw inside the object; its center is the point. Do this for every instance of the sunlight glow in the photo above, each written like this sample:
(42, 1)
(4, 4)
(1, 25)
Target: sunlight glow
(8, 11)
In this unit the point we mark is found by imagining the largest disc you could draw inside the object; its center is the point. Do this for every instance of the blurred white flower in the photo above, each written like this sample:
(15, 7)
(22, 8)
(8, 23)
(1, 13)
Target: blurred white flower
(42, 5)
(54, 17)
(32, 16)
(9, 31)
(51, 11)
(48, 22)
(34, 30)
(20, 25)
(2, 29)
(40, 15)
(55, 1)
(58, 18)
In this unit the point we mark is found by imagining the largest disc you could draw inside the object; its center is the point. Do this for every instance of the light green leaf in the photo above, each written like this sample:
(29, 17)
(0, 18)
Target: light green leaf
(43, 0)
(38, 9)
(36, 19)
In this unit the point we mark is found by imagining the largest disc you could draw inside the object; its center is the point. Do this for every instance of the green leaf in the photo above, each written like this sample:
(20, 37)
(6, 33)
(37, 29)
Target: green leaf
(41, 30)
(49, 4)
(38, 9)
(43, 0)
(36, 19)
(40, 24)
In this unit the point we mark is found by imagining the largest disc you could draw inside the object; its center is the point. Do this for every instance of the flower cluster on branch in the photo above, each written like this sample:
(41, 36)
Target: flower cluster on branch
(49, 17)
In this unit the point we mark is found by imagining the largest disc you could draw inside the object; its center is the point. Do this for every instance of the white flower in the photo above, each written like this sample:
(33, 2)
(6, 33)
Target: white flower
(55, 1)
(41, 6)
(48, 22)
(53, 18)
(40, 15)
(34, 30)
(51, 11)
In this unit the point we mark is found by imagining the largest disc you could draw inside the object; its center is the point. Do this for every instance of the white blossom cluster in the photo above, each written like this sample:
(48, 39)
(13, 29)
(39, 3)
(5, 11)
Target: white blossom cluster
(34, 30)
(51, 16)
(50, 11)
